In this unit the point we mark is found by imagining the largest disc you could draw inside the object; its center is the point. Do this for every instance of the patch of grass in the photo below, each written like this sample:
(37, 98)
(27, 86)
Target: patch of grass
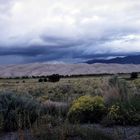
(70, 132)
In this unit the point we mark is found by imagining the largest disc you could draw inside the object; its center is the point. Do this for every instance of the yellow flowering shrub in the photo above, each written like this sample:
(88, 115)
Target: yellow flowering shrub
(87, 109)
(123, 115)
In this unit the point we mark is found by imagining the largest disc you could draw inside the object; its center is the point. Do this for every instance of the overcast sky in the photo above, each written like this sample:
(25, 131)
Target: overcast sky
(67, 30)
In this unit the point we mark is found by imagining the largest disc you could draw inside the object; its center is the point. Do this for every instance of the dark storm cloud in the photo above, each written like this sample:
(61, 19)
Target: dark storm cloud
(30, 51)
(60, 49)
(52, 53)
(39, 52)
(40, 31)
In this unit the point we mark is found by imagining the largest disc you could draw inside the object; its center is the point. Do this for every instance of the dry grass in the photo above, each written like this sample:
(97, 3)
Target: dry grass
(56, 98)
(64, 90)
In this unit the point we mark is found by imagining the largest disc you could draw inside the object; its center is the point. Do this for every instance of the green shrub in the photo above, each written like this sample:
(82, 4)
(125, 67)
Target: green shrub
(123, 102)
(115, 114)
(118, 90)
(54, 78)
(56, 109)
(18, 111)
(134, 75)
(122, 114)
(135, 102)
(61, 93)
(40, 80)
(45, 79)
(87, 109)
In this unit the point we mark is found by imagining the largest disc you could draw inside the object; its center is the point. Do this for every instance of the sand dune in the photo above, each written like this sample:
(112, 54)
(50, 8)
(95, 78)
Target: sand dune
(38, 69)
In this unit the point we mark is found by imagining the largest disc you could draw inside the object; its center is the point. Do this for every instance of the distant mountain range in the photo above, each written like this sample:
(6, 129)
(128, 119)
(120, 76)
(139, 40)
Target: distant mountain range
(135, 59)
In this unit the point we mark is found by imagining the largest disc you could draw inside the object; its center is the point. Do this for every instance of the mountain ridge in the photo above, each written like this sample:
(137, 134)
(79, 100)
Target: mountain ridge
(132, 59)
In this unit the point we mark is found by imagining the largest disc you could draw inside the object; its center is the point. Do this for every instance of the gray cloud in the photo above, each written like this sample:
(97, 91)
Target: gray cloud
(48, 30)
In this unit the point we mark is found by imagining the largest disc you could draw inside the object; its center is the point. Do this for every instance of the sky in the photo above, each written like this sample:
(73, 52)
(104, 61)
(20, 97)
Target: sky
(67, 31)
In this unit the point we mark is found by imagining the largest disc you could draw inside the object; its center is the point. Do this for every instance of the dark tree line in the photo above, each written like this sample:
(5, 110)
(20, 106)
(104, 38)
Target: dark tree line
(56, 77)
(51, 78)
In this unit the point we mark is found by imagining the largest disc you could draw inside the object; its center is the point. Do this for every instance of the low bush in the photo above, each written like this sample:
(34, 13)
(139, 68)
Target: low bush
(124, 113)
(87, 109)
(122, 86)
(54, 78)
(18, 111)
(123, 103)
(61, 93)
(134, 75)
(135, 102)
(45, 80)
(40, 80)
(117, 90)
(57, 109)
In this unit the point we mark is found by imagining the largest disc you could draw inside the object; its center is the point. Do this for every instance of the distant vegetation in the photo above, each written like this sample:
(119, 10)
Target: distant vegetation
(54, 78)
(51, 78)
(57, 76)
(134, 75)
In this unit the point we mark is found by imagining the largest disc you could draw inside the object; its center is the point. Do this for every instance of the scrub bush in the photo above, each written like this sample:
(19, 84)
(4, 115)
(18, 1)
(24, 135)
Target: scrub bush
(18, 111)
(87, 109)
